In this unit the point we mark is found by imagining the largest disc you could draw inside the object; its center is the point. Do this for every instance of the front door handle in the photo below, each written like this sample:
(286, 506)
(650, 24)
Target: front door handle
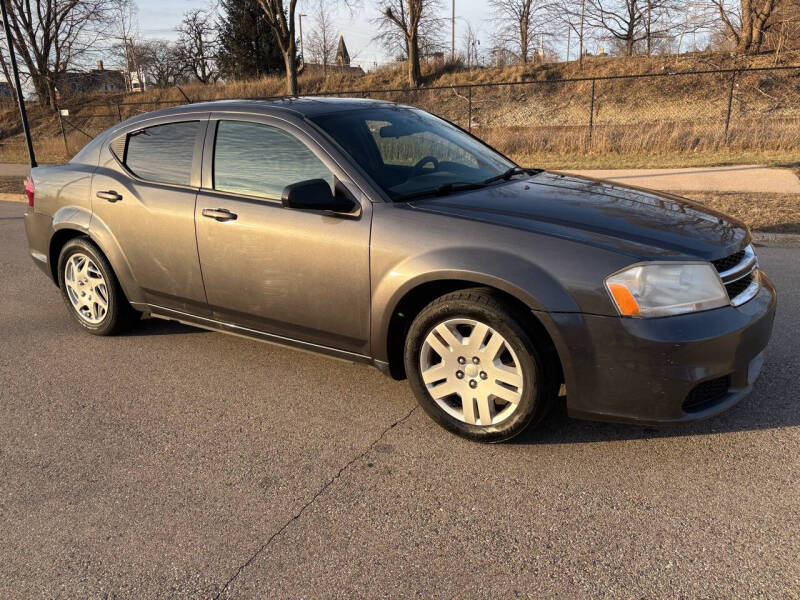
(110, 195)
(220, 214)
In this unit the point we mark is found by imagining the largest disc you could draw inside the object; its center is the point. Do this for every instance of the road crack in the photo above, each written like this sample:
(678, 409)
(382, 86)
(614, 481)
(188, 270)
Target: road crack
(313, 499)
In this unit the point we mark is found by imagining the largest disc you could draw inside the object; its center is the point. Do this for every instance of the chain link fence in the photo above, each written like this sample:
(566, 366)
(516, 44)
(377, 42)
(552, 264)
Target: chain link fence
(701, 111)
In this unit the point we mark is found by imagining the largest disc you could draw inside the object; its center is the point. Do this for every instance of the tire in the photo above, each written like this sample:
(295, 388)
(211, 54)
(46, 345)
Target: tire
(91, 291)
(479, 367)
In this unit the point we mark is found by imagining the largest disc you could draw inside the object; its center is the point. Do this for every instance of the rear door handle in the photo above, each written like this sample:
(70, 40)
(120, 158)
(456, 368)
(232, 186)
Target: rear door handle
(220, 214)
(110, 195)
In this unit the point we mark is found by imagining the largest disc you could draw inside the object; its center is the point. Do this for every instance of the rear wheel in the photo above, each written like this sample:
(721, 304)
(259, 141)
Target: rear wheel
(90, 289)
(475, 369)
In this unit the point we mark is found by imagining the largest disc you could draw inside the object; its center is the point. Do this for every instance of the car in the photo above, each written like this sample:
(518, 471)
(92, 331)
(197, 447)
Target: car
(380, 233)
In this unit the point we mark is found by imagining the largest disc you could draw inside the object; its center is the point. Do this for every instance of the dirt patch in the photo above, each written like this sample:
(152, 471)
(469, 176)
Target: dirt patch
(12, 185)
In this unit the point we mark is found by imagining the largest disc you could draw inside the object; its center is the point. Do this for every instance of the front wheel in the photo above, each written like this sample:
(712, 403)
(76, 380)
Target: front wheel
(474, 368)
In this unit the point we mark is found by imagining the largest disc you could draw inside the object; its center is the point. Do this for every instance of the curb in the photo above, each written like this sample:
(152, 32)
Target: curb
(781, 240)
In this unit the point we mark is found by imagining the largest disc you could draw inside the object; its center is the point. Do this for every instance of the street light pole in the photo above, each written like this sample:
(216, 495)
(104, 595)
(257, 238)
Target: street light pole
(17, 87)
(302, 53)
(453, 34)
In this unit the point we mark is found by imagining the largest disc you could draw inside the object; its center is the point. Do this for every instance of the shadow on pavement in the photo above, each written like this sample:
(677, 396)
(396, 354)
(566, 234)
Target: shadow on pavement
(161, 327)
(758, 411)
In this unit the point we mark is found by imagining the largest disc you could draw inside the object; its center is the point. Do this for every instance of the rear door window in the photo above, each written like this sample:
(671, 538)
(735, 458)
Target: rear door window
(260, 160)
(163, 153)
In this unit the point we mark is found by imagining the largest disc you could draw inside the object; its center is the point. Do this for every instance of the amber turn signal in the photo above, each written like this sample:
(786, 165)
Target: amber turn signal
(625, 301)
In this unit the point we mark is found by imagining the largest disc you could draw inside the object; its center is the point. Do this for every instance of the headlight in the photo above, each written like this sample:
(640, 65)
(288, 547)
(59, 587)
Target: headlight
(663, 289)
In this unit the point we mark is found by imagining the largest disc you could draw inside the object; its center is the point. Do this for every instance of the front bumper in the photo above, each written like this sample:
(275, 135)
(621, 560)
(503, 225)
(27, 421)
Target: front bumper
(643, 370)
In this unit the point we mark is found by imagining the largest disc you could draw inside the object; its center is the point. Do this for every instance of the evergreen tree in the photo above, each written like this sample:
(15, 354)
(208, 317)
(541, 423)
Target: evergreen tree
(248, 47)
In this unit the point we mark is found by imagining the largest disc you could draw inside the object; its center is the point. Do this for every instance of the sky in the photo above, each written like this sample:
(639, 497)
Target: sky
(158, 19)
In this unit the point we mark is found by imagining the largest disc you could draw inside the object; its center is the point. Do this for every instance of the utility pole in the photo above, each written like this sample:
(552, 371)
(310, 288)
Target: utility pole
(20, 100)
(453, 33)
(302, 54)
(580, 47)
(569, 35)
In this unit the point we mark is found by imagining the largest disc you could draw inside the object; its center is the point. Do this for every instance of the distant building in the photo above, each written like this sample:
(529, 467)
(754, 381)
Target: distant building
(5, 90)
(69, 83)
(342, 64)
(342, 55)
(137, 85)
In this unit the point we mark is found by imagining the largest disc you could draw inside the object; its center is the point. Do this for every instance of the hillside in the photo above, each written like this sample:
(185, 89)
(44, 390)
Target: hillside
(636, 122)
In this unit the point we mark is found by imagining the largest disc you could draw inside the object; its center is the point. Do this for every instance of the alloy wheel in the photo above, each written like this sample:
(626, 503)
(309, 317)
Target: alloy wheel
(86, 287)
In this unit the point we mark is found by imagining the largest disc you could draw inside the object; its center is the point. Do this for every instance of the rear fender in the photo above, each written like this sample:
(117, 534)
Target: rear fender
(82, 219)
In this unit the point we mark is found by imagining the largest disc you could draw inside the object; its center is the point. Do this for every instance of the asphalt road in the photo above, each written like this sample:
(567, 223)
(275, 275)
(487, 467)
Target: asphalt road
(174, 463)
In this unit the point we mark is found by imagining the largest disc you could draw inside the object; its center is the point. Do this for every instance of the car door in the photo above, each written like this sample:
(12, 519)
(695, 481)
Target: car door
(144, 194)
(299, 274)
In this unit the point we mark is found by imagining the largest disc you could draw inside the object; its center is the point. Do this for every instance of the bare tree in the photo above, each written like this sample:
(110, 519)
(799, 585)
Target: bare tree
(125, 15)
(51, 35)
(660, 22)
(281, 21)
(695, 16)
(572, 14)
(746, 21)
(198, 45)
(5, 68)
(471, 46)
(322, 41)
(629, 22)
(784, 34)
(161, 60)
(409, 26)
(521, 21)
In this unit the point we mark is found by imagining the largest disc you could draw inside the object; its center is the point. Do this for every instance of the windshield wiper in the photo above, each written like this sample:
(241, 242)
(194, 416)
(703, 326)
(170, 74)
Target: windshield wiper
(510, 173)
(442, 190)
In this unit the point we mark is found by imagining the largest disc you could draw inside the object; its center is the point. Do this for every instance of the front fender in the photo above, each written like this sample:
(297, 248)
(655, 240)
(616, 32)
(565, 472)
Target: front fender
(500, 269)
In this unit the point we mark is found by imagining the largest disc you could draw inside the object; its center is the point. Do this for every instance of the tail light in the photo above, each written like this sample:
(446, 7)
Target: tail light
(29, 191)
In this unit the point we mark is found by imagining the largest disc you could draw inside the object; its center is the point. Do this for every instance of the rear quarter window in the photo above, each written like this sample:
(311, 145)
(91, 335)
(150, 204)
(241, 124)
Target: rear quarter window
(163, 153)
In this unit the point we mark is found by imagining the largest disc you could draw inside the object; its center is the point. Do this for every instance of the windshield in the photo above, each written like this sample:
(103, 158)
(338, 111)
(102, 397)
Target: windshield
(410, 153)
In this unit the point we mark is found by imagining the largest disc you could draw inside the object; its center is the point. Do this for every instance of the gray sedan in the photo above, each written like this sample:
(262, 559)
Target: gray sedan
(380, 233)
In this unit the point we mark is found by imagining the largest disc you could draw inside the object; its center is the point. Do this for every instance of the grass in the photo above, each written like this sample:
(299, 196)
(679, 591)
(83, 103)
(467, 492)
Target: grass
(768, 213)
(668, 160)
(650, 122)
(12, 185)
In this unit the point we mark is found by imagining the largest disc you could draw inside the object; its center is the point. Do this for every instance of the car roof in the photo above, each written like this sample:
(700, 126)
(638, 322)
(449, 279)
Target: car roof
(303, 106)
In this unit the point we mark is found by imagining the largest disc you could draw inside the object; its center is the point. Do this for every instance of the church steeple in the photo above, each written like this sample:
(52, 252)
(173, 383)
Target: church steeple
(342, 55)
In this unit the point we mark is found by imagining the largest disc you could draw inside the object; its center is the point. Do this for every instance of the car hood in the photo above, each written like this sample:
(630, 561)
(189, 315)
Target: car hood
(636, 221)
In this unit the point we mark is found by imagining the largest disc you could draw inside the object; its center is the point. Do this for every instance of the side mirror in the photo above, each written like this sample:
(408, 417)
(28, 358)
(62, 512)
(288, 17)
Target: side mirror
(315, 194)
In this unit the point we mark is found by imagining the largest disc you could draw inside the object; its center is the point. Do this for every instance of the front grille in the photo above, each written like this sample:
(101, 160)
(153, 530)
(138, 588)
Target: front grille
(738, 271)
(723, 264)
(706, 394)
(737, 287)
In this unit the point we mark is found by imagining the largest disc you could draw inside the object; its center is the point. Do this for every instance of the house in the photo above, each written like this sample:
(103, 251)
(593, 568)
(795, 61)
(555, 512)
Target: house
(6, 90)
(69, 82)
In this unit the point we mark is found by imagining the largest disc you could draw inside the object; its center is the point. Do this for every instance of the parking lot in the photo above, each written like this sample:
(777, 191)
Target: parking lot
(174, 462)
